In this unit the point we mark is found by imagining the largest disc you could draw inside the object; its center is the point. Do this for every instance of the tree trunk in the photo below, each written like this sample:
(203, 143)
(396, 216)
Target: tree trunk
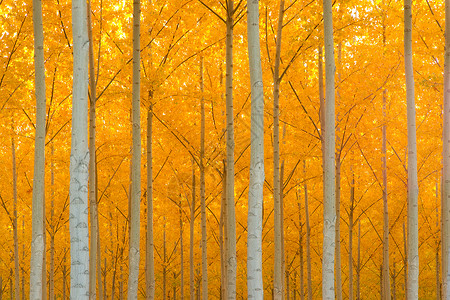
(308, 239)
(438, 285)
(150, 257)
(300, 250)
(338, 188)
(386, 279)
(164, 260)
(413, 189)
(181, 255)
(405, 261)
(15, 233)
(350, 238)
(38, 234)
(92, 168)
(329, 214)
(278, 289)
(445, 189)
(231, 218)
(133, 276)
(191, 240)
(222, 234)
(79, 158)
(255, 287)
(358, 264)
(202, 190)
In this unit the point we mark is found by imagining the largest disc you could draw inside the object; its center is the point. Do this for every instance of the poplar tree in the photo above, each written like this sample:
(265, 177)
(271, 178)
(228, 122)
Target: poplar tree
(79, 157)
(255, 287)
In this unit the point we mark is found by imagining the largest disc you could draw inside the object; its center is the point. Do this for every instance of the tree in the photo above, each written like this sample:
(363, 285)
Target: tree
(329, 212)
(133, 272)
(277, 190)
(446, 159)
(413, 189)
(255, 289)
(38, 234)
(79, 157)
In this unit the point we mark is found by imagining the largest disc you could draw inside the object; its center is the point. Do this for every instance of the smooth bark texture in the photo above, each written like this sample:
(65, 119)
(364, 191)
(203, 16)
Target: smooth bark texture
(231, 214)
(329, 211)
(255, 289)
(149, 253)
(386, 278)
(202, 190)
(278, 289)
(134, 253)
(93, 213)
(79, 158)
(358, 264)
(15, 234)
(308, 243)
(446, 160)
(191, 239)
(413, 189)
(350, 238)
(223, 236)
(38, 234)
(338, 186)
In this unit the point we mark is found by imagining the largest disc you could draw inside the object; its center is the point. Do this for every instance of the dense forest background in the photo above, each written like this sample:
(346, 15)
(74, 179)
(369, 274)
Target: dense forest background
(182, 60)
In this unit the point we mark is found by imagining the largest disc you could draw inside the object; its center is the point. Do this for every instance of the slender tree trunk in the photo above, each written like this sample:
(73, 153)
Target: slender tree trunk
(358, 264)
(329, 214)
(386, 279)
(15, 233)
(150, 257)
(191, 240)
(350, 238)
(394, 277)
(338, 188)
(405, 262)
(92, 165)
(164, 261)
(413, 189)
(278, 289)
(52, 236)
(222, 234)
(133, 275)
(231, 218)
(438, 285)
(300, 250)
(79, 158)
(255, 287)
(445, 189)
(202, 190)
(181, 255)
(38, 233)
(308, 239)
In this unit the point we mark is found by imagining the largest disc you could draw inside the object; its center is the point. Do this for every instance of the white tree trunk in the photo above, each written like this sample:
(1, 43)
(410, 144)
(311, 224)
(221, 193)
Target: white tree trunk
(255, 287)
(79, 157)
(133, 273)
(150, 257)
(413, 189)
(38, 234)
(191, 240)
(329, 211)
(16, 236)
(446, 161)
(231, 217)
(93, 213)
(278, 289)
(202, 190)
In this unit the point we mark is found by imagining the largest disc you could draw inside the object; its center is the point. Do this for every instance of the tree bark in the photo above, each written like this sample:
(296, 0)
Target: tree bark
(79, 158)
(358, 264)
(255, 289)
(202, 190)
(413, 189)
(134, 252)
(92, 167)
(38, 234)
(231, 217)
(308, 239)
(445, 189)
(15, 233)
(150, 257)
(278, 289)
(350, 238)
(191, 240)
(329, 214)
